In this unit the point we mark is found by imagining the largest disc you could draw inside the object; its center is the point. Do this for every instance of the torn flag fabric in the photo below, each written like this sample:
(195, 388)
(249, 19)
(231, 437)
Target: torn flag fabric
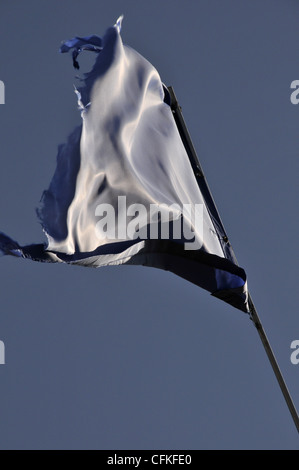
(124, 191)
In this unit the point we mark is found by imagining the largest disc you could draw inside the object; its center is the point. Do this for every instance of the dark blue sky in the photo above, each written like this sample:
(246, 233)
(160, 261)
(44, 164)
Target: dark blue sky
(133, 357)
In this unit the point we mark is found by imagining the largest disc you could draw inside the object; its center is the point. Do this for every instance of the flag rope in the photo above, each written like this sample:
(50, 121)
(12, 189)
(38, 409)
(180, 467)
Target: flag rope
(199, 175)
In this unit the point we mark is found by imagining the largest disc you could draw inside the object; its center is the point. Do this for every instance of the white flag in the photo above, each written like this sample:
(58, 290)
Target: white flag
(124, 191)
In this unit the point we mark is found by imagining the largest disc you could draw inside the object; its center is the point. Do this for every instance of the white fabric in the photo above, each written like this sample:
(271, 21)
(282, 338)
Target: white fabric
(129, 146)
(129, 149)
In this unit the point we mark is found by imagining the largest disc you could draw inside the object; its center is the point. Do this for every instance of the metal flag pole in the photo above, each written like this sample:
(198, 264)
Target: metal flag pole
(198, 172)
(257, 323)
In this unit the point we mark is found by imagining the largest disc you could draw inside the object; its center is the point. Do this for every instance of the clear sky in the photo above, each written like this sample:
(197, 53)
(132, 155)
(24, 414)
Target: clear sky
(134, 357)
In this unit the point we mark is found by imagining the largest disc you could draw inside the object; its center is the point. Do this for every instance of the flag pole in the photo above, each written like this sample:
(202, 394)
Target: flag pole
(257, 323)
(198, 172)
